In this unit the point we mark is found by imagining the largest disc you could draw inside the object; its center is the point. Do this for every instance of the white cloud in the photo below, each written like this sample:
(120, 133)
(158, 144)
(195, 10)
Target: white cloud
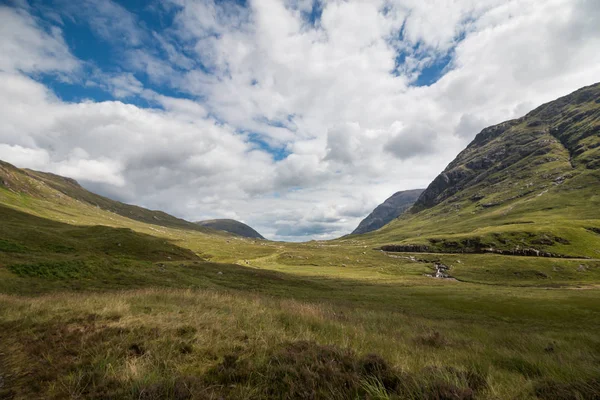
(26, 47)
(120, 85)
(24, 156)
(412, 141)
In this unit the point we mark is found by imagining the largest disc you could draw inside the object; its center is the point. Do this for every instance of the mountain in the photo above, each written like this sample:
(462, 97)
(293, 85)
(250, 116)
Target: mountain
(556, 142)
(43, 185)
(531, 182)
(232, 226)
(390, 209)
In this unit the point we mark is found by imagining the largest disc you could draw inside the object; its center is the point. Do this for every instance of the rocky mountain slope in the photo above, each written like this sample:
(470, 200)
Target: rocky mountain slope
(532, 182)
(232, 226)
(549, 146)
(387, 211)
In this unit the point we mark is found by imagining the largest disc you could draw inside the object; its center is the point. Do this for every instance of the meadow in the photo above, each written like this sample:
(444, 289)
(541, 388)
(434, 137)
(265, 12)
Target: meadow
(97, 305)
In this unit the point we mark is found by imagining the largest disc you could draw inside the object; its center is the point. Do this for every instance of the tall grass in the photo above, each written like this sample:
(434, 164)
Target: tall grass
(158, 343)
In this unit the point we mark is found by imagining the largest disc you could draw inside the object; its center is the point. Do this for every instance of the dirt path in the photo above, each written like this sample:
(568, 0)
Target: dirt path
(261, 261)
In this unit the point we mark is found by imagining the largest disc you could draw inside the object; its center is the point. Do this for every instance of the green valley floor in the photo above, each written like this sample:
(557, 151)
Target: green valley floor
(245, 319)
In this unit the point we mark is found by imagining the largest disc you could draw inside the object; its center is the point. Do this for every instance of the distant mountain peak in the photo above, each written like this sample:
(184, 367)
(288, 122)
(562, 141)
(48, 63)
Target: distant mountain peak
(390, 209)
(232, 226)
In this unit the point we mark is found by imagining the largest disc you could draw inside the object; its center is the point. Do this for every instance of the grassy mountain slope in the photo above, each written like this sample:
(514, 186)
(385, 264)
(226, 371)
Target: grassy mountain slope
(36, 184)
(232, 226)
(22, 191)
(392, 208)
(533, 182)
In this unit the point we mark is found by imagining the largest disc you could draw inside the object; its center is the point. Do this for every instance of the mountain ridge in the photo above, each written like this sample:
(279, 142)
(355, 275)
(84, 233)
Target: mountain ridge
(551, 119)
(391, 208)
(31, 182)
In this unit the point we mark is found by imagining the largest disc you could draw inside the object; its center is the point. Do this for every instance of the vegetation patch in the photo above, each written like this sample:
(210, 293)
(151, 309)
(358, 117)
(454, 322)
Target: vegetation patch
(307, 370)
(432, 339)
(583, 389)
(67, 269)
(12, 247)
(519, 365)
(593, 229)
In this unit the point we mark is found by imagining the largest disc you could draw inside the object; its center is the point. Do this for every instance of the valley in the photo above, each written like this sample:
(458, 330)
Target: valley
(103, 300)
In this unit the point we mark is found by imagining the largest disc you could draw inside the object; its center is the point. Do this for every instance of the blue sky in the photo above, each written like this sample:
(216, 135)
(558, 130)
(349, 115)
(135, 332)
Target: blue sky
(297, 117)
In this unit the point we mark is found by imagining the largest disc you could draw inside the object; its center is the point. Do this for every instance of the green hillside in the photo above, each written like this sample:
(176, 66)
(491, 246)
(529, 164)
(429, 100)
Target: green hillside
(40, 185)
(529, 183)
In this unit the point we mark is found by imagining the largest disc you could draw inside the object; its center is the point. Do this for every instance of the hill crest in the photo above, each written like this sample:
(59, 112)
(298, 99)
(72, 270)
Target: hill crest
(232, 226)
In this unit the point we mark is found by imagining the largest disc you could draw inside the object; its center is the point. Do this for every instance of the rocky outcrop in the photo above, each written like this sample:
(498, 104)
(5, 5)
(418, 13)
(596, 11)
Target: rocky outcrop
(390, 209)
(406, 248)
(524, 252)
(527, 252)
(441, 270)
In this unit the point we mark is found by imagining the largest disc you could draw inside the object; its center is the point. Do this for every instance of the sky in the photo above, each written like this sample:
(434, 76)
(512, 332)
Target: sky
(297, 117)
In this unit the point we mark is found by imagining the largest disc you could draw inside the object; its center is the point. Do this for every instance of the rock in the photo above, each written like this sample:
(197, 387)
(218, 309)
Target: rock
(441, 270)
(582, 268)
(521, 252)
(219, 273)
(559, 180)
(407, 248)
(488, 205)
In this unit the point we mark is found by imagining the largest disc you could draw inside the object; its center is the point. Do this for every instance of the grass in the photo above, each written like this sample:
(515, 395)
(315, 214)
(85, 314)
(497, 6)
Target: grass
(82, 317)
(176, 343)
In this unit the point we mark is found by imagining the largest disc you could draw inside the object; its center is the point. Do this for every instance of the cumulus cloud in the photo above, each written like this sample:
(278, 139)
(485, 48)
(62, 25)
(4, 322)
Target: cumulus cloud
(413, 141)
(24, 156)
(297, 121)
(469, 125)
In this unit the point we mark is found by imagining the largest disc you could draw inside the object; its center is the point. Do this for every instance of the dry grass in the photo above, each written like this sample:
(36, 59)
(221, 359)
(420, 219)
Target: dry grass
(156, 343)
